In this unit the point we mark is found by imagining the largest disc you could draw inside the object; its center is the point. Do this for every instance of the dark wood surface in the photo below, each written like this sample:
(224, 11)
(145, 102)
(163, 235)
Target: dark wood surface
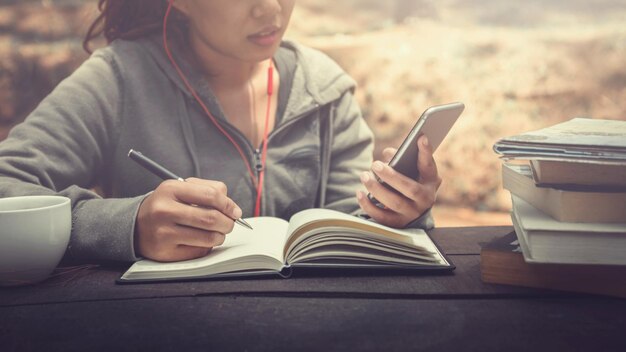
(369, 311)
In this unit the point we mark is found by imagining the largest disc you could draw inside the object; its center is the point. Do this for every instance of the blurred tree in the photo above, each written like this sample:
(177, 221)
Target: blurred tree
(404, 9)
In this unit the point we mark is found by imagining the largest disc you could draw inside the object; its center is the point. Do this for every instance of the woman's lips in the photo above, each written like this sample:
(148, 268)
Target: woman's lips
(266, 37)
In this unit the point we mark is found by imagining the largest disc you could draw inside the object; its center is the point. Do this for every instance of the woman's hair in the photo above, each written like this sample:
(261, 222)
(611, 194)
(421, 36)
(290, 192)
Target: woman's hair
(128, 19)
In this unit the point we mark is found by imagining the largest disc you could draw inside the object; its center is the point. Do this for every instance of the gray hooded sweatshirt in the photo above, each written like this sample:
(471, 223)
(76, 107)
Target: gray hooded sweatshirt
(127, 95)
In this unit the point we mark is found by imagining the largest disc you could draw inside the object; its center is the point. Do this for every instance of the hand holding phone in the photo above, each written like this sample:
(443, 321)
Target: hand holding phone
(435, 123)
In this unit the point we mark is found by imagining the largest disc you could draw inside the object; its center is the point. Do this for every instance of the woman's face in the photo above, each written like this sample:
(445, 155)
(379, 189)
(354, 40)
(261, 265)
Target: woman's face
(247, 30)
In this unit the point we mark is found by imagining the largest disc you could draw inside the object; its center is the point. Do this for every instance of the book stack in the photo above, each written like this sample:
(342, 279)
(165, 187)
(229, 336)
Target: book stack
(568, 190)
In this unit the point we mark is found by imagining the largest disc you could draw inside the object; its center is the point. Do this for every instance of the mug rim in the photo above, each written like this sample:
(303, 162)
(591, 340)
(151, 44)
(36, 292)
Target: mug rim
(65, 201)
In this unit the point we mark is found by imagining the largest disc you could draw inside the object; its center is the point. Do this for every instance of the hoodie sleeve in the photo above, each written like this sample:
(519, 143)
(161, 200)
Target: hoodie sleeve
(351, 152)
(62, 148)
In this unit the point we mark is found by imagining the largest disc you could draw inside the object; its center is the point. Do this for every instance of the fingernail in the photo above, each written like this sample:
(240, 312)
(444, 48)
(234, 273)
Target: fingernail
(378, 166)
(365, 177)
(237, 212)
(425, 143)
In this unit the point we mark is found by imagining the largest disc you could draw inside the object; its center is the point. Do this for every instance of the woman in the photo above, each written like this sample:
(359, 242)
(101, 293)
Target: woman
(199, 97)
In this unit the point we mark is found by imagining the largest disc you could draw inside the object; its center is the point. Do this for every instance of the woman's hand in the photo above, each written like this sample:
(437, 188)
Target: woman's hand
(416, 196)
(170, 228)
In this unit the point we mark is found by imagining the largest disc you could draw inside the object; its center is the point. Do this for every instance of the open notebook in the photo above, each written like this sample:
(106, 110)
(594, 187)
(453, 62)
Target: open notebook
(312, 238)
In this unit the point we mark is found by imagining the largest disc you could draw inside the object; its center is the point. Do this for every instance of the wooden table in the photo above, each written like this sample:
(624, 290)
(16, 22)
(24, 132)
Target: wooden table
(313, 312)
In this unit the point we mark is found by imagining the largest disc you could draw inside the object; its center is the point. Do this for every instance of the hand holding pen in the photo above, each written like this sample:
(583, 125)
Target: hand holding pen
(182, 219)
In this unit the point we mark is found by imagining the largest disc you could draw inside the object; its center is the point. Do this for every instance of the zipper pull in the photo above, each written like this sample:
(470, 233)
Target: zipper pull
(258, 166)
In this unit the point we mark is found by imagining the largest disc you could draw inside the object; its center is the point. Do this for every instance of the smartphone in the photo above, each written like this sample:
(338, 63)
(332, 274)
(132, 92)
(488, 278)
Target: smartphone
(435, 123)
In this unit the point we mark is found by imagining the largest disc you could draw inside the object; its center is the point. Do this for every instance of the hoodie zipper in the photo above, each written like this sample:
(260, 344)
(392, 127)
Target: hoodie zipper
(258, 165)
(256, 152)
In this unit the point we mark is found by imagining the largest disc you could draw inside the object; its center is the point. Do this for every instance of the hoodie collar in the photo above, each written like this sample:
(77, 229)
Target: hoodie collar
(317, 80)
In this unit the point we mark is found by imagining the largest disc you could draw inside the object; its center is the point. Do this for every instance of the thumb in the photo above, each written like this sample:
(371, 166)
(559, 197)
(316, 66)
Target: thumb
(388, 154)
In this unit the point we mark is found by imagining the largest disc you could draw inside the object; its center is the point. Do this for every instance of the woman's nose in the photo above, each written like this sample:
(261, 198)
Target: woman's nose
(265, 8)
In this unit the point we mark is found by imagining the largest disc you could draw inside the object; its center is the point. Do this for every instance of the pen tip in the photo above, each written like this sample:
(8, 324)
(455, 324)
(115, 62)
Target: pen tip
(130, 152)
(244, 224)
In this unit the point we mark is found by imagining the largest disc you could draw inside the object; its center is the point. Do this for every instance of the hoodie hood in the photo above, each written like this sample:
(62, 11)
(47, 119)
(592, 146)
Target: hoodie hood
(318, 80)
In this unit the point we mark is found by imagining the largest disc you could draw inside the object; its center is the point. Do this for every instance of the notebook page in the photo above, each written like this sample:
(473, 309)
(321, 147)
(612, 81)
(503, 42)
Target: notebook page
(331, 219)
(266, 239)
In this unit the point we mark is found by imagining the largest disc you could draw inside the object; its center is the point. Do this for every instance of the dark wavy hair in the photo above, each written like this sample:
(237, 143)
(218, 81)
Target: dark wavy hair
(129, 19)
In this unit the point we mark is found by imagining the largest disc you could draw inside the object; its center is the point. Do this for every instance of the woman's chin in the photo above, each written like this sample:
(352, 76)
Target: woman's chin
(261, 53)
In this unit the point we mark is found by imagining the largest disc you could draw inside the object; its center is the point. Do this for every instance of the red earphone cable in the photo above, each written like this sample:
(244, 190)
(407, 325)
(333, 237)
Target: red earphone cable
(270, 90)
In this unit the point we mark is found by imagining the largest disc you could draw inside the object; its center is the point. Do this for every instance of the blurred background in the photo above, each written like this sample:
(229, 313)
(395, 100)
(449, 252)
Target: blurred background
(518, 65)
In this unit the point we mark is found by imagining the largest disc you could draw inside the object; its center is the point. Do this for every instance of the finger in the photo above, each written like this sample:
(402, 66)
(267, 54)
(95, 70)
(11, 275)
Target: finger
(408, 187)
(218, 185)
(188, 236)
(181, 252)
(425, 161)
(388, 154)
(380, 215)
(202, 218)
(205, 195)
(389, 198)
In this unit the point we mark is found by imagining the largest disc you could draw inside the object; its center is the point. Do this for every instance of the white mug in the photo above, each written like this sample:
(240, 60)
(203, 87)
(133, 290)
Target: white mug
(34, 233)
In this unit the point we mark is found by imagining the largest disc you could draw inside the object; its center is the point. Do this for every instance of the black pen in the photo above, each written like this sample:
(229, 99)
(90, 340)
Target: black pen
(165, 174)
